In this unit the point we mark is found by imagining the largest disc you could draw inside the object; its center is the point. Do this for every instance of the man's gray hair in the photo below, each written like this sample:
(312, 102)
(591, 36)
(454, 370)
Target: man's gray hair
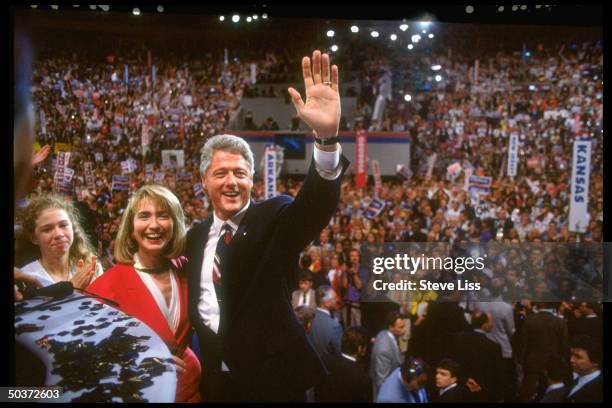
(323, 294)
(227, 143)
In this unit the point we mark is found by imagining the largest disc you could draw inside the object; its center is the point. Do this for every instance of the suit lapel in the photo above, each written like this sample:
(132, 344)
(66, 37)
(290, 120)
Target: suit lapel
(142, 301)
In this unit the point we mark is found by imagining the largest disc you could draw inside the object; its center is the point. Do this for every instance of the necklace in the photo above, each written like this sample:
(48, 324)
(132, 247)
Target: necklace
(147, 269)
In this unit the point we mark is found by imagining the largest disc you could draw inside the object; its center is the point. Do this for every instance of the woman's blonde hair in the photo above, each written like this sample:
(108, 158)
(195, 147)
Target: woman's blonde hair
(126, 246)
(81, 248)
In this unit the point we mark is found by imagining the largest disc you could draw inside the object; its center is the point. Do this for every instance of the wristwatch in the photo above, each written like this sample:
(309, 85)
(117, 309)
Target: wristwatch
(327, 142)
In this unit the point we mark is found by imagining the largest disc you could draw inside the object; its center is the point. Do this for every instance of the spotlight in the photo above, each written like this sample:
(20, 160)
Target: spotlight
(92, 6)
(410, 46)
(424, 31)
(500, 9)
(469, 9)
(105, 7)
(431, 35)
(404, 27)
(249, 19)
(438, 78)
(334, 48)
(532, 87)
(264, 16)
(436, 67)
(221, 18)
(54, 7)
(160, 9)
(393, 37)
(354, 29)
(255, 16)
(425, 23)
(527, 54)
(415, 38)
(514, 8)
(523, 7)
(330, 33)
(136, 11)
(235, 18)
(374, 34)
(407, 98)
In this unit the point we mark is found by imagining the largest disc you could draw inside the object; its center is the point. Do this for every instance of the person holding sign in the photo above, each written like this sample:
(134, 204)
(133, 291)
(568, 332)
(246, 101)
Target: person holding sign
(241, 259)
(149, 281)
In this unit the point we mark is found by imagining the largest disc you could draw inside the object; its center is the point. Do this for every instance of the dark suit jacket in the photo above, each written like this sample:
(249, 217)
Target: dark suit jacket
(481, 359)
(590, 392)
(543, 335)
(326, 334)
(259, 337)
(444, 319)
(346, 382)
(455, 394)
(555, 395)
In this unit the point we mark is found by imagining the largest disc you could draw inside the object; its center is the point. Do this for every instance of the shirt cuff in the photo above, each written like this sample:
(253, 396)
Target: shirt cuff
(328, 163)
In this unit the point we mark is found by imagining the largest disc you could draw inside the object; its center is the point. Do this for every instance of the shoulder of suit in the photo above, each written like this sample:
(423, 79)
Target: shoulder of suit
(274, 203)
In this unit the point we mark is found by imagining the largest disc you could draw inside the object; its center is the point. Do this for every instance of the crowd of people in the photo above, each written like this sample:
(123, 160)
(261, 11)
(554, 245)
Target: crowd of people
(428, 346)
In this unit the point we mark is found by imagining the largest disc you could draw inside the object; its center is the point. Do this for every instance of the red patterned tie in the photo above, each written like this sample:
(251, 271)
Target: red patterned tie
(220, 253)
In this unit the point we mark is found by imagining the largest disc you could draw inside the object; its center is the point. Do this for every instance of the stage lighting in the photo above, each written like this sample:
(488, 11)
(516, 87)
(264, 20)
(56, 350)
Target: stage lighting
(374, 34)
(354, 29)
(393, 37)
(407, 98)
(136, 11)
(469, 9)
(334, 48)
(404, 27)
(235, 18)
(330, 33)
(410, 46)
(221, 18)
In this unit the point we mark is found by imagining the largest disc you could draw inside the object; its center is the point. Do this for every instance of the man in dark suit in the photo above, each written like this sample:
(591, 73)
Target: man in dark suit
(326, 333)
(543, 335)
(556, 373)
(585, 359)
(449, 389)
(444, 319)
(480, 359)
(347, 382)
(253, 348)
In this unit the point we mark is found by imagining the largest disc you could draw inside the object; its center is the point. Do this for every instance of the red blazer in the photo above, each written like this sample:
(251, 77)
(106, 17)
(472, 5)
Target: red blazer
(122, 284)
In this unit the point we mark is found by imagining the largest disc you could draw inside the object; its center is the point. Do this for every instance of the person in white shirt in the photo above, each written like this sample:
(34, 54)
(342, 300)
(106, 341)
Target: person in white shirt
(51, 227)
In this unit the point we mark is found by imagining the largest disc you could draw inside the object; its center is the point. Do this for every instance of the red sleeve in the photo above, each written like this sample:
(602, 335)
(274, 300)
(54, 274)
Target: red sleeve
(105, 285)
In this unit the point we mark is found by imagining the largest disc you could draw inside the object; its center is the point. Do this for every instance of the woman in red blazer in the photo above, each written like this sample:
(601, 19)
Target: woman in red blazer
(149, 283)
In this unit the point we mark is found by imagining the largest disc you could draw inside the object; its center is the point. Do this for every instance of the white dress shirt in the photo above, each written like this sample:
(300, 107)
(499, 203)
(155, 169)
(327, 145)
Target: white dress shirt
(443, 390)
(582, 381)
(208, 305)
